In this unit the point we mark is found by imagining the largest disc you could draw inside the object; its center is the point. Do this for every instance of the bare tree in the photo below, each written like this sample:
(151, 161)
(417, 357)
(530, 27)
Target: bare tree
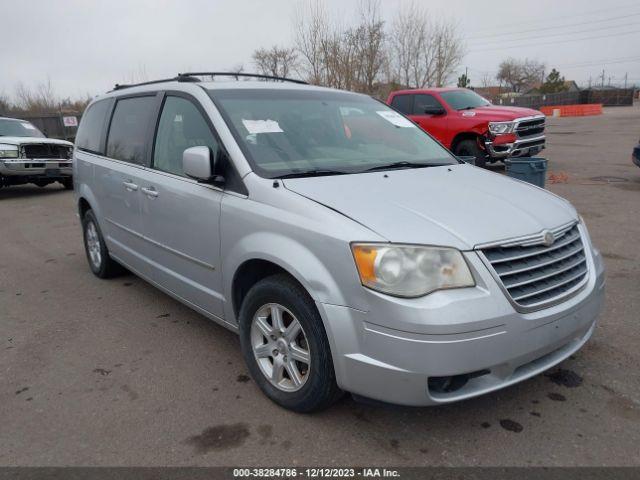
(424, 51)
(408, 38)
(275, 61)
(311, 31)
(39, 99)
(447, 49)
(519, 74)
(370, 43)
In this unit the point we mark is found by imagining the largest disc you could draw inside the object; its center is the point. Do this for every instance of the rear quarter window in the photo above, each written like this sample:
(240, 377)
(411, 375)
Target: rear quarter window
(89, 136)
(129, 129)
(403, 104)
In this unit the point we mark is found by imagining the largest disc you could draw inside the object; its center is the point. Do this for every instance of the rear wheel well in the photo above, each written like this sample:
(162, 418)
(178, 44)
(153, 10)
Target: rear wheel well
(250, 273)
(83, 206)
(461, 137)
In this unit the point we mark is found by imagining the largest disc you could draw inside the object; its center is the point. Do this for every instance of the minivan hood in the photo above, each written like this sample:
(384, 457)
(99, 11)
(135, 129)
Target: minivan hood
(29, 140)
(458, 205)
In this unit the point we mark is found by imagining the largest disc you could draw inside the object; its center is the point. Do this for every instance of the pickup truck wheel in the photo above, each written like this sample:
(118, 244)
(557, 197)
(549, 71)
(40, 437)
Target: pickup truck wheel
(101, 264)
(470, 148)
(285, 346)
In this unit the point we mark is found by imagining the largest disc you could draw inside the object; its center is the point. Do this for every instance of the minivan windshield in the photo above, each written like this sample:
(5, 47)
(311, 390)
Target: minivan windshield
(464, 99)
(288, 133)
(18, 128)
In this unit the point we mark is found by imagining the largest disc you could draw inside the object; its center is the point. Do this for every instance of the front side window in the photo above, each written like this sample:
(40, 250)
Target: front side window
(91, 127)
(128, 130)
(18, 128)
(464, 99)
(424, 102)
(299, 132)
(181, 126)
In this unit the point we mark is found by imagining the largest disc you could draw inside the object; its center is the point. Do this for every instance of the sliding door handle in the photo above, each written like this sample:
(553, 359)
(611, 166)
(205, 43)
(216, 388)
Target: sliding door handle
(149, 191)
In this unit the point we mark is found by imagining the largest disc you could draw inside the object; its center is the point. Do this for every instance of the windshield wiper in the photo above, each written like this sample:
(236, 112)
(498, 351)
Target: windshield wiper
(404, 164)
(317, 172)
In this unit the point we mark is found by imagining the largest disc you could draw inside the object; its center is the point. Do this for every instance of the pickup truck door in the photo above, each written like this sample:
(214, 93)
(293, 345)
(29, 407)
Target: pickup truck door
(436, 125)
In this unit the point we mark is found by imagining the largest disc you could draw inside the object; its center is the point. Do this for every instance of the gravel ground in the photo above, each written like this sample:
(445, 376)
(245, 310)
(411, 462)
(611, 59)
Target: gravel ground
(116, 373)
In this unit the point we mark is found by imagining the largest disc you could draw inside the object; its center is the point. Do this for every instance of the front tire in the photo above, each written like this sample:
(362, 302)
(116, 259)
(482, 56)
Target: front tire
(101, 264)
(470, 148)
(285, 346)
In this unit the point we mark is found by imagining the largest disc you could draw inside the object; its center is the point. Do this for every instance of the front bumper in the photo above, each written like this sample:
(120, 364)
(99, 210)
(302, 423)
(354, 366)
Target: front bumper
(36, 168)
(390, 352)
(519, 148)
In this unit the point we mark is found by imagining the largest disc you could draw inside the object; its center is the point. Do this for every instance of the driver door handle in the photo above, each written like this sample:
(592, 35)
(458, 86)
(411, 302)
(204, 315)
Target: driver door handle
(130, 186)
(149, 191)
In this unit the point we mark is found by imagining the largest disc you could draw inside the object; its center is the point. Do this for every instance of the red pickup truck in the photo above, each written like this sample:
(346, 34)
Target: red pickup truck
(468, 125)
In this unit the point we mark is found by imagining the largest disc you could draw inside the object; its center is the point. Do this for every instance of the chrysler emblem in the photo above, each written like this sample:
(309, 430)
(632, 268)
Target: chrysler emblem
(547, 238)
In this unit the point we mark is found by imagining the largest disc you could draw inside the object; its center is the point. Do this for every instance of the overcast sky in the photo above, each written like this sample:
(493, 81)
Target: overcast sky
(85, 46)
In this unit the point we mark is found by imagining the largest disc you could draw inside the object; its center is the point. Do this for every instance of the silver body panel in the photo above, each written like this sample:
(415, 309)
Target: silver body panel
(190, 239)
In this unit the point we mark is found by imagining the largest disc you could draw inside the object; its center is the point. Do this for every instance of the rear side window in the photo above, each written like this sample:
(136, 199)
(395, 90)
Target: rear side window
(424, 101)
(128, 131)
(403, 103)
(89, 136)
(181, 126)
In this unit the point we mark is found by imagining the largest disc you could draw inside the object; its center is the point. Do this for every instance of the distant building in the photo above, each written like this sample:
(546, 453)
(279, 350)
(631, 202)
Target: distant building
(570, 86)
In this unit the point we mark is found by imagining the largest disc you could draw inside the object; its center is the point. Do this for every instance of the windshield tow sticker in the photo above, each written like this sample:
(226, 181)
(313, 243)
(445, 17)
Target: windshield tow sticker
(395, 118)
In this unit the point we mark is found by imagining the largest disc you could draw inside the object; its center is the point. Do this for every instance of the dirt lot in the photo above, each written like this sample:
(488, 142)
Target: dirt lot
(116, 373)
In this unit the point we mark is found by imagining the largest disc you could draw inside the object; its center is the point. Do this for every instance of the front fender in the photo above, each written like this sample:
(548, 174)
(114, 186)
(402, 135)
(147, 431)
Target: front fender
(290, 255)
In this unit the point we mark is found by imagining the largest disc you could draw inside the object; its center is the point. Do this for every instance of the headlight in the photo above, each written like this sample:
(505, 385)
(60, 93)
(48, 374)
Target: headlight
(8, 151)
(410, 271)
(498, 128)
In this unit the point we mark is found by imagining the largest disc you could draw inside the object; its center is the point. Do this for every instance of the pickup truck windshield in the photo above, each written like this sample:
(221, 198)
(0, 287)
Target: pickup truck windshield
(18, 128)
(285, 133)
(464, 99)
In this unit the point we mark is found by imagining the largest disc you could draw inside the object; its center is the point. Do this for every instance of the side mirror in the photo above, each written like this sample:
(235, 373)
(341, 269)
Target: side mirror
(434, 111)
(197, 162)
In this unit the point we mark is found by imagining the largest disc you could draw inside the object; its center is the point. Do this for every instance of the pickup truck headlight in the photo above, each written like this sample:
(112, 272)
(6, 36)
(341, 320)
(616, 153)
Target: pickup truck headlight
(410, 271)
(499, 128)
(8, 151)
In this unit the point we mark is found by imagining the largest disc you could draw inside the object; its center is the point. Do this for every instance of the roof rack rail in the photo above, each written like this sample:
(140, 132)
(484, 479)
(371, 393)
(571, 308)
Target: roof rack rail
(189, 76)
(119, 86)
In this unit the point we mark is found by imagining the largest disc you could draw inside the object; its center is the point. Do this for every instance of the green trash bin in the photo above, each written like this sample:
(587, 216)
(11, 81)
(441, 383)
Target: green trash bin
(532, 170)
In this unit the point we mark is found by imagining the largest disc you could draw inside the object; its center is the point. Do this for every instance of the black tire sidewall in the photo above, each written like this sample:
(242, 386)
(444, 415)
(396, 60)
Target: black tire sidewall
(89, 217)
(320, 389)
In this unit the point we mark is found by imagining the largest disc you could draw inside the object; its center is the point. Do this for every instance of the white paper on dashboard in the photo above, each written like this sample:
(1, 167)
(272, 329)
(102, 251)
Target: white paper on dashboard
(28, 125)
(261, 126)
(395, 118)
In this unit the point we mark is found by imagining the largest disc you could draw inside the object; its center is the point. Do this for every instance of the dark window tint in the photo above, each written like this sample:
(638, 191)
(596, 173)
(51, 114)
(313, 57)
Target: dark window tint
(403, 103)
(129, 126)
(89, 136)
(424, 101)
(181, 126)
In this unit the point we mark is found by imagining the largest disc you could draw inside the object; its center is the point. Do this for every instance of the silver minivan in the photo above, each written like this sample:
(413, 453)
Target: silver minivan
(349, 250)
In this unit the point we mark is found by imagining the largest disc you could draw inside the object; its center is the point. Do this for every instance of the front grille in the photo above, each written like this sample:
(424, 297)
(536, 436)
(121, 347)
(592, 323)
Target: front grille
(46, 150)
(530, 128)
(536, 275)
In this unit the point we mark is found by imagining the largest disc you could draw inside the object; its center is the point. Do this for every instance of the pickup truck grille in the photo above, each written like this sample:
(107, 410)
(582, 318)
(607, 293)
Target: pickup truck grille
(535, 275)
(46, 150)
(530, 128)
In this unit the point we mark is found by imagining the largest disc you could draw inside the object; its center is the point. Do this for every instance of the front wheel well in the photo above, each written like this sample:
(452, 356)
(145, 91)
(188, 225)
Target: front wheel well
(463, 136)
(83, 207)
(250, 273)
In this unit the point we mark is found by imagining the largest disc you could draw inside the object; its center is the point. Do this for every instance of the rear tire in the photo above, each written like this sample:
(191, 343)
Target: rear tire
(101, 264)
(470, 148)
(291, 363)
